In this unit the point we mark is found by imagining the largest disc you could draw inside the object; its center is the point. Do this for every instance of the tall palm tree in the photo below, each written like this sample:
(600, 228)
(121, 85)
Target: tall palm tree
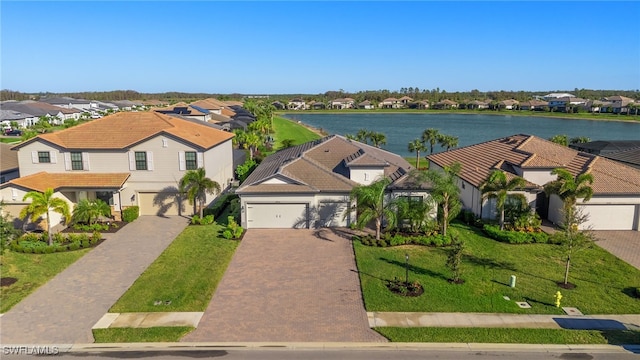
(498, 187)
(197, 185)
(430, 136)
(371, 205)
(87, 211)
(417, 145)
(362, 136)
(377, 139)
(560, 140)
(448, 141)
(570, 188)
(43, 204)
(445, 191)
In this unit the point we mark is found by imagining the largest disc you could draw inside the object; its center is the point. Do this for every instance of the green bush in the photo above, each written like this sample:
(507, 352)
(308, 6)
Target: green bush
(515, 237)
(130, 214)
(221, 203)
(74, 246)
(232, 230)
(207, 220)
(95, 237)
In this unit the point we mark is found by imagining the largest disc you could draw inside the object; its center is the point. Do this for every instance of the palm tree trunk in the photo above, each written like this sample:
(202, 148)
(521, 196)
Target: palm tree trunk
(566, 270)
(445, 219)
(418, 160)
(502, 219)
(378, 226)
(201, 209)
(49, 229)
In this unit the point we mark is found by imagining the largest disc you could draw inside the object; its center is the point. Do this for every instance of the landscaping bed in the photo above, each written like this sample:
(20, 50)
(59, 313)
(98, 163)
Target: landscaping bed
(107, 228)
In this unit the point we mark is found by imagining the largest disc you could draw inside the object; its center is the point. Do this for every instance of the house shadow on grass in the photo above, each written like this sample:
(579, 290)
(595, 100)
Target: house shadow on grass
(489, 263)
(534, 301)
(415, 269)
(631, 292)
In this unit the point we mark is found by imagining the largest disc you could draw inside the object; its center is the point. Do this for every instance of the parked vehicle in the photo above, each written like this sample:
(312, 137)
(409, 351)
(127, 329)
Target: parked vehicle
(15, 132)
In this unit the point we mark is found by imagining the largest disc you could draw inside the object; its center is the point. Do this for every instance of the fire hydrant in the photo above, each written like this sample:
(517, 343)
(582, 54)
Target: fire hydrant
(558, 298)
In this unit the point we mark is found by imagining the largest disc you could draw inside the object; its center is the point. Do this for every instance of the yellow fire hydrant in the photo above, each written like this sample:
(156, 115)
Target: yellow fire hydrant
(558, 298)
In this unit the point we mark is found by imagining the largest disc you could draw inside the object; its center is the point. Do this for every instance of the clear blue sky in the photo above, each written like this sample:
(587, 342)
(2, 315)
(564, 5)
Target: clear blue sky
(312, 47)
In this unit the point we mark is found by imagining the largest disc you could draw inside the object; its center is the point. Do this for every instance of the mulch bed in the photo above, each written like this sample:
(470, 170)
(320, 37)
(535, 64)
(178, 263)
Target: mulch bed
(567, 286)
(7, 281)
(403, 289)
(112, 229)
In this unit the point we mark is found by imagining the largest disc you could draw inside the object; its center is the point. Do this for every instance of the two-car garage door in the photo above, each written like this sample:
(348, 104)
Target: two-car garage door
(163, 204)
(278, 216)
(611, 217)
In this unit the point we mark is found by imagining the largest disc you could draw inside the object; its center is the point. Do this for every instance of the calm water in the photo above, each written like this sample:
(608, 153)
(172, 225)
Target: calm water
(470, 129)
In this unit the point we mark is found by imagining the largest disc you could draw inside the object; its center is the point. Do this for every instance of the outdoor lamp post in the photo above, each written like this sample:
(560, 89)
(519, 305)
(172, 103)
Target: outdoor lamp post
(406, 258)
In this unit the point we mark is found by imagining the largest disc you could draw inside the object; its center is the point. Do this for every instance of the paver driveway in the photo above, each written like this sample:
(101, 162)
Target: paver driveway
(288, 285)
(623, 244)
(63, 310)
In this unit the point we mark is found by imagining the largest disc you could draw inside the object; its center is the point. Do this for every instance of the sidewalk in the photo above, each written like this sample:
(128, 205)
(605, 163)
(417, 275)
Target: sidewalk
(499, 320)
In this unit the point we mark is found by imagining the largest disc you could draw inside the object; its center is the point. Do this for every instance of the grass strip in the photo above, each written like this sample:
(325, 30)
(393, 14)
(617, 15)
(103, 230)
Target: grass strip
(154, 334)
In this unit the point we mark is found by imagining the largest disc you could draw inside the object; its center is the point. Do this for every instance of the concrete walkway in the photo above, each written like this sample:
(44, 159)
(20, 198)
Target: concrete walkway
(66, 308)
(482, 320)
(148, 319)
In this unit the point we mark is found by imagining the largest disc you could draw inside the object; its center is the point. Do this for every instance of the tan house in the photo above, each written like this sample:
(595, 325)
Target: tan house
(390, 103)
(343, 103)
(8, 163)
(445, 104)
(125, 159)
(615, 204)
(308, 186)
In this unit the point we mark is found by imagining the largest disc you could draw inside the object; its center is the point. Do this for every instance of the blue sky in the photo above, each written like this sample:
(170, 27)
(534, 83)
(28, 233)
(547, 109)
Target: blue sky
(311, 47)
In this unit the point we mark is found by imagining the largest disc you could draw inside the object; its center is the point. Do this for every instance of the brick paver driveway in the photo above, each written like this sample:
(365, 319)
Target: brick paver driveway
(623, 244)
(288, 285)
(63, 310)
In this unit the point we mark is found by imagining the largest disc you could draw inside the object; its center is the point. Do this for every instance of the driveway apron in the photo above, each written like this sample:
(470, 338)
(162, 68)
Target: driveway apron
(288, 285)
(63, 310)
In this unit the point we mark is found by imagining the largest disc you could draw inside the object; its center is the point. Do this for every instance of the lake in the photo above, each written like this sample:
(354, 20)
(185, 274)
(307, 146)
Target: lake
(470, 129)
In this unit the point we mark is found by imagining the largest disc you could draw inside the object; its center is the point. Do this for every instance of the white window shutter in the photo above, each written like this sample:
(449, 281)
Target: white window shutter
(67, 161)
(14, 194)
(54, 157)
(165, 143)
(34, 157)
(149, 160)
(132, 160)
(200, 157)
(85, 161)
(181, 161)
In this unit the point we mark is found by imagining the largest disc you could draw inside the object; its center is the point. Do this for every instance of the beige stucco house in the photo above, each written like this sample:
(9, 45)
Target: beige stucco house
(615, 204)
(308, 186)
(125, 159)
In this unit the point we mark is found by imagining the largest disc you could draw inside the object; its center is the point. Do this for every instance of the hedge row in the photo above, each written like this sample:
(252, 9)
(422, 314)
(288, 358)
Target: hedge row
(399, 239)
(38, 243)
(515, 237)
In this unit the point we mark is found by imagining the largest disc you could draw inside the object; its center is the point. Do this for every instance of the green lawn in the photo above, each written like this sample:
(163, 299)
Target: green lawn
(32, 271)
(186, 273)
(155, 334)
(10, 140)
(602, 280)
(501, 335)
(287, 129)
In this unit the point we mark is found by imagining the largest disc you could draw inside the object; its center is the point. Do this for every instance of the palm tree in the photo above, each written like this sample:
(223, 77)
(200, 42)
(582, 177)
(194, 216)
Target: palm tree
(448, 141)
(371, 205)
(252, 141)
(498, 187)
(560, 140)
(197, 185)
(377, 139)
(87, 211)
(43, 204)
(417, 145)
(568, 188)
(445, 191)
(579, 140)
(430, 136)
(362, 136)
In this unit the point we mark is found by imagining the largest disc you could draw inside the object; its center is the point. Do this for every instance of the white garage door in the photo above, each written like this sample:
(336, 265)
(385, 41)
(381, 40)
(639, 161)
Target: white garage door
(277, 216)
(610, 217)
(163, 204)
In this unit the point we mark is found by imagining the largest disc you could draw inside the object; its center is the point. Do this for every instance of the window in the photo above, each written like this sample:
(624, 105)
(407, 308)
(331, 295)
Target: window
(44, 157)
(141, 160)
(76, 161)
(191, 160)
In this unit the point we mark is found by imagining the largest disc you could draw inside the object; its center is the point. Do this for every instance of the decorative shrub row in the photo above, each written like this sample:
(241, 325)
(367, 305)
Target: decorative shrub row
(196, 220)
(515, 237)
(219, 206)
(399, 239)
(130, 214)
(38, 243)
(92, 227)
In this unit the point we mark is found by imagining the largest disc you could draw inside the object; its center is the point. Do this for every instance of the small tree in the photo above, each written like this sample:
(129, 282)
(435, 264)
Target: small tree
(454, 259)
(43, 204)
(417, 146)
(571, 238)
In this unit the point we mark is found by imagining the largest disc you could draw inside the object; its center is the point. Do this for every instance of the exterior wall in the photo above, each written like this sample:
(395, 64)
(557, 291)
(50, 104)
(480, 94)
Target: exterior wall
(12, 198)
(365, 175)
(218, 163)
(539, 177)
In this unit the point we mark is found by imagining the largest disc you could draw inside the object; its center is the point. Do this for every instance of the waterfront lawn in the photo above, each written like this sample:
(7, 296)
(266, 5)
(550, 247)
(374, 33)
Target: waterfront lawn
(602, 279)
(287, 129)
(32, 271)
(154, 334)
(503, 335)
(186, 273)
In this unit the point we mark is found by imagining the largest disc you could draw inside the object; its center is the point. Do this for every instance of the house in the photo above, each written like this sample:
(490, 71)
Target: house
(405, 100)
(186, 111)
(619, 104)
(422, 104)
(606, 147)
(346, 103)
(390, 103)
(509, 104)
(125, 159)
(23, 120)
(445, 104)
(615, 204)
(553, 96)
(367, 105)
(56, 114)
(70, 103)
(8, 163)
(308, 186)
(278, 105)
(297, 104)
(630, 157)
(317, 105)
(478, 105)
(534, 105)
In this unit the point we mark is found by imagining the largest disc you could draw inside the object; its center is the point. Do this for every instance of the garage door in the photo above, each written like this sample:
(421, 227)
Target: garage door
(277, 216)
(163, 204)
(610, 217)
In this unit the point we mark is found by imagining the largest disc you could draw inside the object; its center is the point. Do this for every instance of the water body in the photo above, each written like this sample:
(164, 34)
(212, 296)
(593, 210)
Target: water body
(470, 129)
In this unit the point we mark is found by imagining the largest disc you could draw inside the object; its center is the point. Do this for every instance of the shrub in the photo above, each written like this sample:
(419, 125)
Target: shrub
(515, 237)
(95, 237)
(131, 213)
(195, 220)
(233, 230)
(59, 238)
(74, 246)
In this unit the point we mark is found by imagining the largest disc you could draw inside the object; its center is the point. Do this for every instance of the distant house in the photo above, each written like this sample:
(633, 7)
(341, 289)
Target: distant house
(186, 111)
(619, 104)
(70, 103)
(445, 104)
(23, 120)
(534, 105)
(510, 104)
(423, 104)
(478, 105)
(552, 96)
(367, 105)
(405, 100)
(344, 103)
(8, 163)
(55, 114)
(317, 105)
(297, 104)
(390, 103)
(278, 105)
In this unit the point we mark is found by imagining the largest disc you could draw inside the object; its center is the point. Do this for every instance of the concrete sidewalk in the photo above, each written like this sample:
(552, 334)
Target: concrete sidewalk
(497, 320)
(148, 319)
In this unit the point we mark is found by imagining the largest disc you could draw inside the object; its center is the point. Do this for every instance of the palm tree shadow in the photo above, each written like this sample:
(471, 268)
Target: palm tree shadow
(369, 275)
(415, 269)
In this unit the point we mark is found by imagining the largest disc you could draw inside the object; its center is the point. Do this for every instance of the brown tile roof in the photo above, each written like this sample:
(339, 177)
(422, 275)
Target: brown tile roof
(210, 104)
(124, 129)
(526, 151)
(228, 112)
(321, 165)
(8, 158)
(44, 180)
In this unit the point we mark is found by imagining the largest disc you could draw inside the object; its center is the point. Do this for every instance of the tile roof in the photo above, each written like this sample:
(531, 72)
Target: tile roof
(321, 166)
(531, 152)
(124, 129)
(631, 156)
(44, 180)
(8, 158)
